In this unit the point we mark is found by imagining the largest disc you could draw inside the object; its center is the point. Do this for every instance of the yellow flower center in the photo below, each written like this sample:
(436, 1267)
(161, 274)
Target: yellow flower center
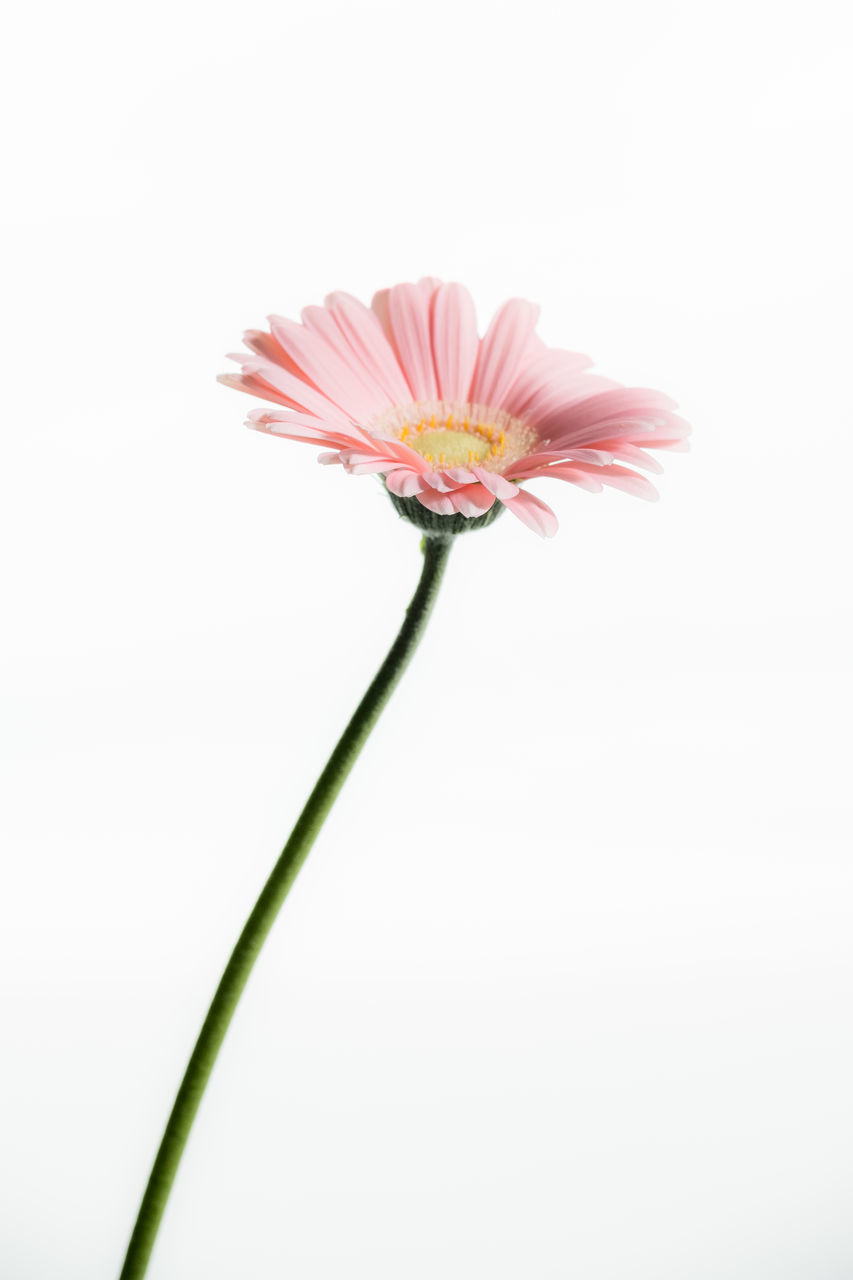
(454, 443)
(450, 434)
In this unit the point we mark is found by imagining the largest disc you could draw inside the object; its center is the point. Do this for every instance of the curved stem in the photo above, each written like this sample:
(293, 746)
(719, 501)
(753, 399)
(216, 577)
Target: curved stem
(251, 940)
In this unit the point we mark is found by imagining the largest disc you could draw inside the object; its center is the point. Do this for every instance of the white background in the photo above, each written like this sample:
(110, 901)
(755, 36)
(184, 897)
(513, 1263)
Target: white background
(564, 989)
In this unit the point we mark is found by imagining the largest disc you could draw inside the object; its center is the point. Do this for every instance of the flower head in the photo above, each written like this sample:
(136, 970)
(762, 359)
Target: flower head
(454, 423)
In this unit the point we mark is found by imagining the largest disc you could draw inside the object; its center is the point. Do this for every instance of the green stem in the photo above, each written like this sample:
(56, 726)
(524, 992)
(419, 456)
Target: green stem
(251, 940)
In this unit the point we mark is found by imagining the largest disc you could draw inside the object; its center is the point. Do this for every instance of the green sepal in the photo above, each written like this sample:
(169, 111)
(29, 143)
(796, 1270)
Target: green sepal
(420, 516)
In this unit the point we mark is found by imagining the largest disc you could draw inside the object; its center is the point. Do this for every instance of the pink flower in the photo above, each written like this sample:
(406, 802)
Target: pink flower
(454, 423)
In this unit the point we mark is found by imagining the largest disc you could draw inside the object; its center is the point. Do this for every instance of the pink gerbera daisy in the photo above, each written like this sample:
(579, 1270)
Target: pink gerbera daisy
(454, 423)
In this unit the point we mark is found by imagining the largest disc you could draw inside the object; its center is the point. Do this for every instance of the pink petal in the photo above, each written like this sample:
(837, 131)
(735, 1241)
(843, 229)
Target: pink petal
(379, 307)
(598, 457)
(277, 422)
(297, 392)
(570, 424)
(630, 482)
(265, 345)
(440, 503)
(672, 446)
(615, 476)
(651, 431)
(498, 485)
(441, 481)
(363, 332)
(472, 500)
(536, 463)
(362, 465)
(534, 513)
(460, 475)
(574, 475)
(402, 453)
(409, 318)
(450, 478)
(562, 391)
(670, 432)
(503, 348)
(321, 321)
(324, 368)
(405, 484)
(253, 386)
(272, 428)
(454, 341)
(540, 371)
(627, 453)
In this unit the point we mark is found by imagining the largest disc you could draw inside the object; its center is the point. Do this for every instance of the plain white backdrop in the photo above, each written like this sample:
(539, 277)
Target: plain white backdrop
(564, 989)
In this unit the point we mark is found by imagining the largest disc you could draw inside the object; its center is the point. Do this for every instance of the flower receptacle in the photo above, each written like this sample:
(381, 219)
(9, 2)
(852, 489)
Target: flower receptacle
(432, 523)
